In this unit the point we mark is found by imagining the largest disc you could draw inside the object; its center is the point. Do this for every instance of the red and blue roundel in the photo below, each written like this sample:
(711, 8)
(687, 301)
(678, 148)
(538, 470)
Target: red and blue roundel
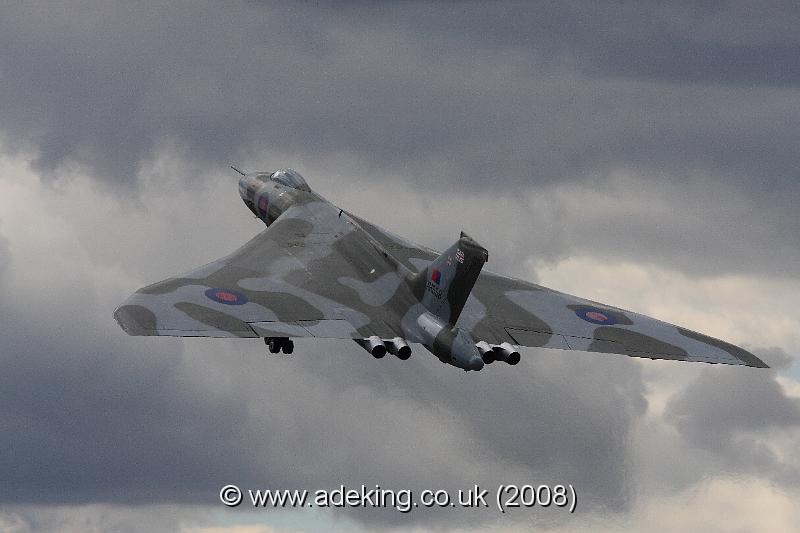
(226, 296)
(596, 316)
(262, 203)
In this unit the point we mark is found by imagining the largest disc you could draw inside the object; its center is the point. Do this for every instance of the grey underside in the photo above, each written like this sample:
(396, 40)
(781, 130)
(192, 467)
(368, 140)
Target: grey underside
(318, 273)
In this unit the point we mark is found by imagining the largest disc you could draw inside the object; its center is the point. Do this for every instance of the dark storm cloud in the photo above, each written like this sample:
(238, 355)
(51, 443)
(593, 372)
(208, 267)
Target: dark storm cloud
(514, 92)
(500, 97)
(529, 422)
(91, 415)
(88, 420)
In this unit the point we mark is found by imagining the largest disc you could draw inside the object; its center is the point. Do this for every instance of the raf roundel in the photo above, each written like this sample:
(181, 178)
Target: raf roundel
(596, 316)
(226, 296)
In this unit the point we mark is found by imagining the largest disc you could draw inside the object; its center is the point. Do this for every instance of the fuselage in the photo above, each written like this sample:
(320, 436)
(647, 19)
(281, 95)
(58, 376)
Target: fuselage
(268, 195)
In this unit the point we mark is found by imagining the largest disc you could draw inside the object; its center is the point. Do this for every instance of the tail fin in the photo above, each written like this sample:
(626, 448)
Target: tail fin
(443, 287)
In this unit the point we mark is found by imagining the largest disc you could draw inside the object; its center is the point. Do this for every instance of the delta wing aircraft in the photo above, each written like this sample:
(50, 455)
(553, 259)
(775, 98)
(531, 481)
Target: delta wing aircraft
(320, 271)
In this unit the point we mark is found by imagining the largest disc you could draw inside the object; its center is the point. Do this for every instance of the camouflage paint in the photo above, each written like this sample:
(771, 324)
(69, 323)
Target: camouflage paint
(319, 271)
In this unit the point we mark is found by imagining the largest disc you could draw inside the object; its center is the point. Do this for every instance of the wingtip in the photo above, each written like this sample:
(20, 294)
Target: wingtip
(135, 320)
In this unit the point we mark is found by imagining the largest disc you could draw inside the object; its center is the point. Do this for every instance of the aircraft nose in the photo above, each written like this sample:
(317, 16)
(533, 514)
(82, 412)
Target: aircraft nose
(476, 363)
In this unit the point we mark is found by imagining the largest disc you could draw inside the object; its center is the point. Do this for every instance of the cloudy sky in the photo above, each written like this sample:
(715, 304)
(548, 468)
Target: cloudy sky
(640, 154)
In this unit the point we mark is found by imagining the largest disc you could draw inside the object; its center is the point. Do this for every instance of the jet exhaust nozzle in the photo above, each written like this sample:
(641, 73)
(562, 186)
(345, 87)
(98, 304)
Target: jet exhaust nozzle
(486, 351)
(399, 347)
(374, 345)
(506, 352)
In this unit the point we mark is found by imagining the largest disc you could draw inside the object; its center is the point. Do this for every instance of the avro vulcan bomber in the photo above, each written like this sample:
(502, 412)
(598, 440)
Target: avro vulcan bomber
(320, 271)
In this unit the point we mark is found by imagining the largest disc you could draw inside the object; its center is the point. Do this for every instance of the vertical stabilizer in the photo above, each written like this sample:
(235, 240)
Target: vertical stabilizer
(444, 286)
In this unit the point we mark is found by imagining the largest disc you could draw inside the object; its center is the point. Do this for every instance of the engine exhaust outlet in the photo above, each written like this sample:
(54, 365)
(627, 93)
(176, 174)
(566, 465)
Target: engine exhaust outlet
(399, 347)
(507, 353)
(374, 345)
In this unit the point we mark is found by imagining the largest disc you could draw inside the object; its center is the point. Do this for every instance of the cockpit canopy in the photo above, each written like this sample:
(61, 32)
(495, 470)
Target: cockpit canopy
(290, 178)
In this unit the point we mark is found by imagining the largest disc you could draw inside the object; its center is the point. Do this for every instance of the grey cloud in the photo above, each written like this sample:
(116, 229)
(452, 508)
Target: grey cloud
(720, 43)
(776, 357)
(709, 411)
(93, 416)
(94, 423)
(5, 255)
(103, 418)
(105, 86)
(530, 419)
(730, 414)
(500, 97)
